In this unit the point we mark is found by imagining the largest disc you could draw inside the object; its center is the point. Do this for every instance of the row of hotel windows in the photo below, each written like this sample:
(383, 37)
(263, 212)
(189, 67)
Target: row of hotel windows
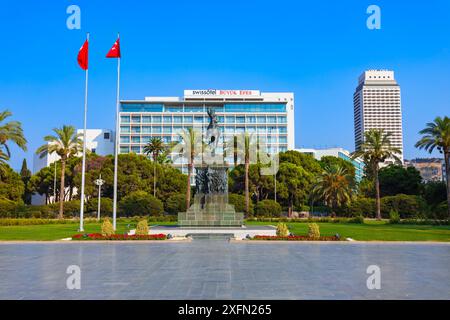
(168, 139)
(138, 149)
(201, 119)
(226, 129)
(250, 107)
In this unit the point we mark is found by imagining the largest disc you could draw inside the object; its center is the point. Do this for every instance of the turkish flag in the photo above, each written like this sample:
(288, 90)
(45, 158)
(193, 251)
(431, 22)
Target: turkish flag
(83, 55)
(114, 52)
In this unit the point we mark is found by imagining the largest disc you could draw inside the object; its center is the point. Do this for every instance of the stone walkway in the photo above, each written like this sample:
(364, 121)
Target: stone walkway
(208, 269)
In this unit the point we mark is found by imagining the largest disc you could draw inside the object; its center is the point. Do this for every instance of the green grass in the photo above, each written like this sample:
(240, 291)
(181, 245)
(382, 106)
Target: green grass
(374, 230)
(371, 230)
(57, 231)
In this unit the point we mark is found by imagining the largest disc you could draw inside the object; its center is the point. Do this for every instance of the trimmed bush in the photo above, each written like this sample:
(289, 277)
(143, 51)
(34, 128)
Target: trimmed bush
(282, 230)
(175, 203)
(394, 217)
(313, 231)
(268, 208)
(362, 207)
(142, 228)
(140, 203)
(408, 206)
(238, 201)
(107, 228)
(106, 206)
(71, 208)
(357, 219)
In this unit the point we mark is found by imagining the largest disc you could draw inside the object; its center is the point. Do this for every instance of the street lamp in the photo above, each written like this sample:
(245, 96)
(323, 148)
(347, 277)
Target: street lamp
(99, 182)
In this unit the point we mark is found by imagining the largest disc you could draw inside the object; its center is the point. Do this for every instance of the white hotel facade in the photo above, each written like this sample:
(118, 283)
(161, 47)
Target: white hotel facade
(267, 114)
(377, 105)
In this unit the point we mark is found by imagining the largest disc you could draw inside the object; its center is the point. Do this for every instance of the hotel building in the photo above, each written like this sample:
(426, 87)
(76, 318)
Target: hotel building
(377, 105)
(266, 114)
(357, 163)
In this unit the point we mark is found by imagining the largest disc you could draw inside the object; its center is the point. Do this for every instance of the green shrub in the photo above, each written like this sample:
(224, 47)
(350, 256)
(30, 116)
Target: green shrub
(141, 203)
(238, 201)
(362, 207)
(7, 208)
(408, 206)
(142, 227)
(282, 230)
(394, 217)
(357, 219)
(313, 231)
(268, 208)
(106, 206)
(71, 208)
(175, 203)
(107, 228)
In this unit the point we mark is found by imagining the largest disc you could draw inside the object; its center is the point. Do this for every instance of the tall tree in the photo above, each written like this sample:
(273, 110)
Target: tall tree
(3, 159)
(11, 131)
(154, 148)
(375, 149)
(294, 182)
(66, 144)
(399, 180)
(25, 174)
(191, 142)
(11, 185)
(436, 135)
(334, 186)
(245, 144)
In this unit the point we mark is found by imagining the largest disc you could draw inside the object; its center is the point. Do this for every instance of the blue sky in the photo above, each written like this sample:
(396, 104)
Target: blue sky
(317, 49)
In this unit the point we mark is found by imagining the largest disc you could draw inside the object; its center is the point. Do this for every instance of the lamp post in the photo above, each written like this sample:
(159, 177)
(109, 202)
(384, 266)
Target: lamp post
(99, 182)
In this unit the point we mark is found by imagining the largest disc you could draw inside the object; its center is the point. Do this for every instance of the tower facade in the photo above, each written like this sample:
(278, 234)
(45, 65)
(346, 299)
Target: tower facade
(377, 105)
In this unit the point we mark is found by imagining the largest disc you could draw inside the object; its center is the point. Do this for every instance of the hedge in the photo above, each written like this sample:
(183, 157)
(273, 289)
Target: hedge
(175, 203)
(141, 203)
(407, 206)
(268, 208)
(238, 201)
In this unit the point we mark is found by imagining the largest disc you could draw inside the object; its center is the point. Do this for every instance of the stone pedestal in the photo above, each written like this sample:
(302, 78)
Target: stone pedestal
(211, 210)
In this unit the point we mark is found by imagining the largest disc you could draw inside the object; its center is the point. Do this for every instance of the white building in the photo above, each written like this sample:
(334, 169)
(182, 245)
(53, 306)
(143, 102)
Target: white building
(377, 105)
(338, 153)
(267, 114)
(99, 141)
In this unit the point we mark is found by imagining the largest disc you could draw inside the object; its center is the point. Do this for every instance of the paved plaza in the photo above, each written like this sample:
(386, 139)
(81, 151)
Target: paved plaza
(218, 269)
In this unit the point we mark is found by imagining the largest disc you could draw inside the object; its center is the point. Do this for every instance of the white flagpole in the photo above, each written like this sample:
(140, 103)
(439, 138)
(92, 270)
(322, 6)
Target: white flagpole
(116, 144)
(83, 169)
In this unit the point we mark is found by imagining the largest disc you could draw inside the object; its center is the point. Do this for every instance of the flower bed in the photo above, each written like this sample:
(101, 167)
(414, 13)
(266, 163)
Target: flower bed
(296, 238)
(98, 236)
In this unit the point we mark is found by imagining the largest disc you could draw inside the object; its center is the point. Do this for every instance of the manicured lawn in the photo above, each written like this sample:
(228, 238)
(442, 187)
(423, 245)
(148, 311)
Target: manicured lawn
(375, 230)
(56, 231)
(371, 230)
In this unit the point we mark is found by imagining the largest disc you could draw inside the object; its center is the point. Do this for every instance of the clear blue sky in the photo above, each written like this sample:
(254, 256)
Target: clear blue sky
(317, 49)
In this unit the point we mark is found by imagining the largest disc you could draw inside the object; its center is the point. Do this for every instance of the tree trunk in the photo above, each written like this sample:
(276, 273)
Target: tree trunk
(377, 192)
(447, 173)
(291, 204)
(154, 178)
(247, 200)
(61, 191)
(188, 190)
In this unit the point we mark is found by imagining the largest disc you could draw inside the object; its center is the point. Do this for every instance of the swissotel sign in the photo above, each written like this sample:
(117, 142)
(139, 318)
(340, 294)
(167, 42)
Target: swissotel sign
(221, 93)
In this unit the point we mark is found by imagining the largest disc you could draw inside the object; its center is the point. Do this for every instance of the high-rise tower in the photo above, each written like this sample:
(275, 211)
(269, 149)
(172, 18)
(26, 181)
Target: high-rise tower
(377, 105)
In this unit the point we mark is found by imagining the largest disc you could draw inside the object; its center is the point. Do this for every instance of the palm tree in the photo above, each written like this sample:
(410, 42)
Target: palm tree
(3, 159)
(437, 135)
(334, 186)
(375, 149)
(66, 144)
(154, 148)
(243, 146)
(191, 143)
(11, 131)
